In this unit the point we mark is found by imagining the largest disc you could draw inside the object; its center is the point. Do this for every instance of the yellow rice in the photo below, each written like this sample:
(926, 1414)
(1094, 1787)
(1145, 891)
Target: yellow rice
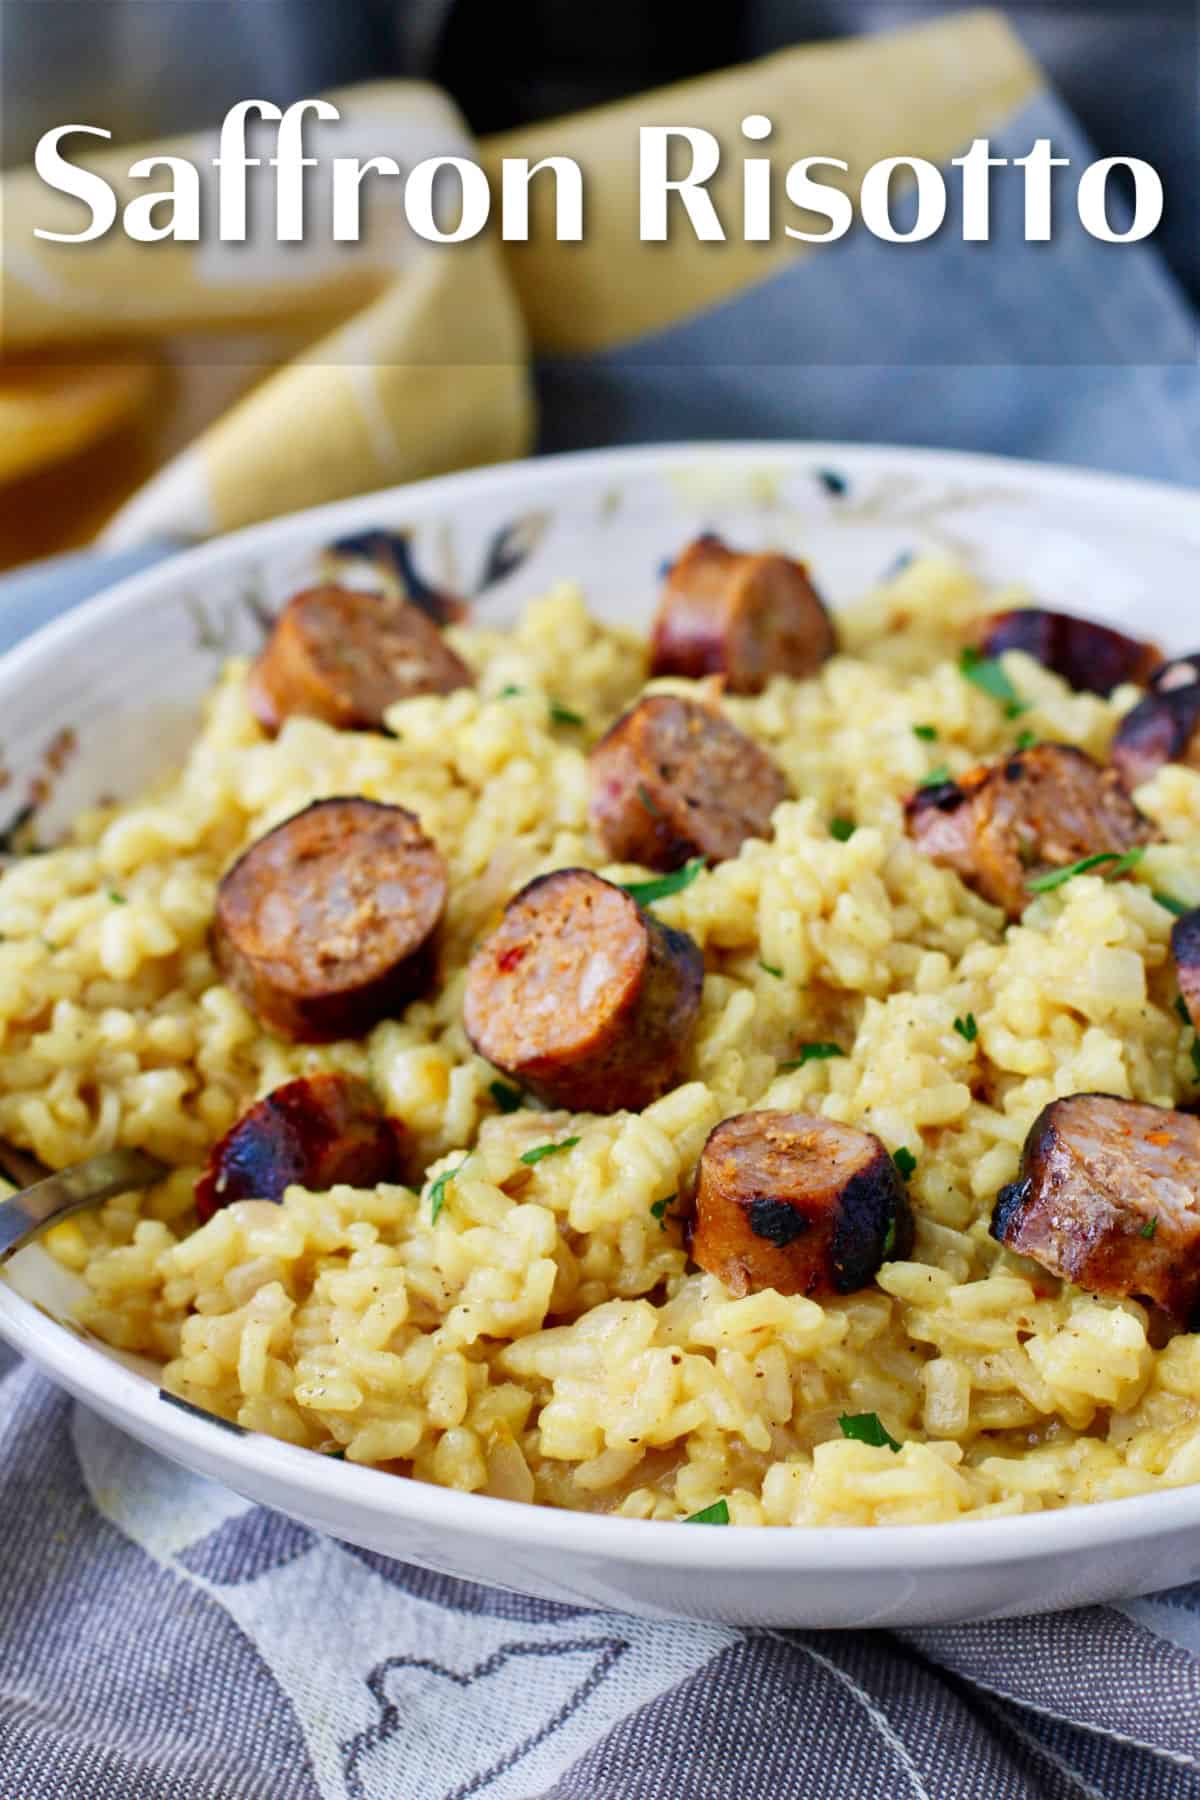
(544, 1339)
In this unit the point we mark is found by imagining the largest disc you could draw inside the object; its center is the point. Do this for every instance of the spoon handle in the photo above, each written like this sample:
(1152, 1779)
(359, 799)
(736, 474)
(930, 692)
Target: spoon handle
(88, 1183)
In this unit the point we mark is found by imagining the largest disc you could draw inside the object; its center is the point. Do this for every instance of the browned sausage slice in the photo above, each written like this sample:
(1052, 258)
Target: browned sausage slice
(327, 923)
(673, 779)
(1093, 658)
(747, 617)
(1109, 1198)
(797, 1203)
(586, 1000)
(1163, 727)
(1185, 947)
(344, 656)
(942, 822)
(1038, 810)
(314, 1132)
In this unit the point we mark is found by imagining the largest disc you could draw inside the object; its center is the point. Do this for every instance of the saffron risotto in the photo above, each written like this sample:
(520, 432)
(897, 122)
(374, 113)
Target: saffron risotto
(532, 1329)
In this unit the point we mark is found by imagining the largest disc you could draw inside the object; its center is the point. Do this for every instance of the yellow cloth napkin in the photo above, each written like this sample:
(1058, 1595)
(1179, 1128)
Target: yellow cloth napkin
(226, 384)
(925, 91)
(287, 374)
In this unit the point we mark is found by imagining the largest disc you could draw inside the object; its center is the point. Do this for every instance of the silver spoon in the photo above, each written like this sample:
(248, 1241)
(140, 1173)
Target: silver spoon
(45, 1198)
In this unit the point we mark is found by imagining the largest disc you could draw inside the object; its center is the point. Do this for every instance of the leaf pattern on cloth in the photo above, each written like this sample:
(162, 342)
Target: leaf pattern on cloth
(390, 1683)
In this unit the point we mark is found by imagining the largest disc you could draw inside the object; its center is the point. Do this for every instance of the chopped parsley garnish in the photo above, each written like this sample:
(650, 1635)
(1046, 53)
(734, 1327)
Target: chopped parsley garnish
(770, 969)
(989, 677)
(905, 1161)
(659, 1211)
(937, 777)
(647, 800)
(842, 829)
(1181, 1007)
(117, 899)
(541, 1150)
(646, 892)
(716, 1514)
(927, 733)
(506, 693)
(868, 1428)
(508, 1099)
(1025, 740)
(813, 1053)
(889, 1238)
(1149, 1228)
(562, 715)
(1044, 884)
(967, 1028)
(1172, 905)
(437, 1193)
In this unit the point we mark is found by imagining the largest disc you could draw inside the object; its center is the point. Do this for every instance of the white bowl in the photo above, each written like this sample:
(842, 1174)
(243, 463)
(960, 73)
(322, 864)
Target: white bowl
(125, 673)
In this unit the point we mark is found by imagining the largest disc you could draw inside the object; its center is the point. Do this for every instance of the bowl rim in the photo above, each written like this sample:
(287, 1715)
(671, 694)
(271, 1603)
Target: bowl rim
(1150, 501)
(132, 1400)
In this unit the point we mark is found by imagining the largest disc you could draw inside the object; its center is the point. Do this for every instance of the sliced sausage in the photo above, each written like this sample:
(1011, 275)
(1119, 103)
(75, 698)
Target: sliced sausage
(1109, 1198)
(586, 1000)
(674, 779)
(1185, 947)
(942, 822)
(344, 656)
(744, 616)
(1092, 658)
(1038, 810)
(314, 1133)
(797, 1203)
(1163, 727)
(328, 923)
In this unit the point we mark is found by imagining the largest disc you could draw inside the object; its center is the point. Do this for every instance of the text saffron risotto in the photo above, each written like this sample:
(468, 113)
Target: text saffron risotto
(533, 1328)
